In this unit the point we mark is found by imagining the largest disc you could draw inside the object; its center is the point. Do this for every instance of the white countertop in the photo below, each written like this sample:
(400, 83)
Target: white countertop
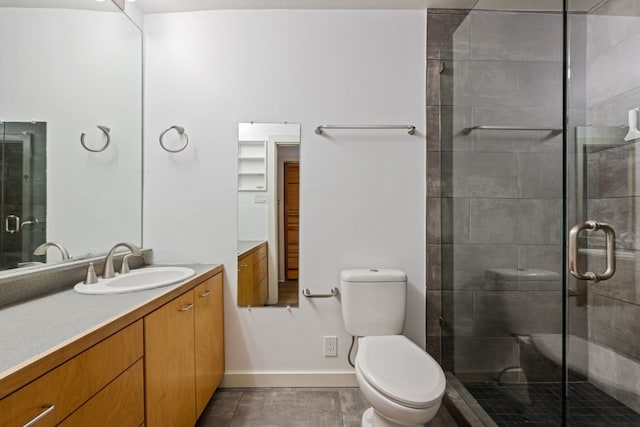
(247, 245)
(34, 328)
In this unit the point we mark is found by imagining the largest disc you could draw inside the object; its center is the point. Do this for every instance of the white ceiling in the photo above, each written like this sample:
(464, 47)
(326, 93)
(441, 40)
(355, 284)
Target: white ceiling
(162, 6)
(63, 4)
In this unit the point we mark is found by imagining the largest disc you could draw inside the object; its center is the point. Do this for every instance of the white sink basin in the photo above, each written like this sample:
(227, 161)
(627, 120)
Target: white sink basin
(137, 280)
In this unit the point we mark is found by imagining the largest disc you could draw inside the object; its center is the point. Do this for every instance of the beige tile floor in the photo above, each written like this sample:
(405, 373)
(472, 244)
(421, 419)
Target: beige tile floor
(292, 407)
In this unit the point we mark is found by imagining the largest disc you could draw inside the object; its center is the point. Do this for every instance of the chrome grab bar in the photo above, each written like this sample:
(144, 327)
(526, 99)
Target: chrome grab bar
(610, 248)
(334, 293)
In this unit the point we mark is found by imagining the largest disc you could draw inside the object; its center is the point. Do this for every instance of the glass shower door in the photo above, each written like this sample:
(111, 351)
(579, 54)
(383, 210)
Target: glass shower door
(537, 114)
(502, 208)
(602, 356)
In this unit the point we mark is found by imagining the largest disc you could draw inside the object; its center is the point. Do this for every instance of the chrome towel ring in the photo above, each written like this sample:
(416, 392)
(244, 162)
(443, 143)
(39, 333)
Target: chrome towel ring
(181, 132)
(104, 130)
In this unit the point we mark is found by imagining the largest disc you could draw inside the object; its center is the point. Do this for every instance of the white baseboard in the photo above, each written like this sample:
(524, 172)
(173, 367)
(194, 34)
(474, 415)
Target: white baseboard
(288, 379)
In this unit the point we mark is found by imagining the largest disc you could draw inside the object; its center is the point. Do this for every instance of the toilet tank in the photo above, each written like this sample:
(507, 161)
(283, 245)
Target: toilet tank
(373, 301)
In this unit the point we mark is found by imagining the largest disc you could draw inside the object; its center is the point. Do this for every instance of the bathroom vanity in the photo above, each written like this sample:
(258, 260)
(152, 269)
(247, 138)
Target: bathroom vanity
(252, 274)
(102, 360)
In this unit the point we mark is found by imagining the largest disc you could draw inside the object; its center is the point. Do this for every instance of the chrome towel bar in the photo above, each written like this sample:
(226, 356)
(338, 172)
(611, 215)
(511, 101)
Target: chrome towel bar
(498, 127)
(334, 293)
(410, 128)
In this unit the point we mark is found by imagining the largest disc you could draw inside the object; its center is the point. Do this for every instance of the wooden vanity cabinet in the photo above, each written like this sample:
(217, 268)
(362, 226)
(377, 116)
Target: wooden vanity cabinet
(184, 355)
(165, 364)
(86, 381)
(253, 277)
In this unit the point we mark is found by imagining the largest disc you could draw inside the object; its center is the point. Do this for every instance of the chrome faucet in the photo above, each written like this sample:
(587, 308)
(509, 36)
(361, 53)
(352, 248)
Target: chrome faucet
(42, 249)
(108, 272)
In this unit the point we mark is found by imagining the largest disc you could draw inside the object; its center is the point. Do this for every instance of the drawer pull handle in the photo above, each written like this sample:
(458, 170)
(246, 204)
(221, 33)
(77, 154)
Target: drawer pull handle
(205, 294)
(187, 307)
(47, 411)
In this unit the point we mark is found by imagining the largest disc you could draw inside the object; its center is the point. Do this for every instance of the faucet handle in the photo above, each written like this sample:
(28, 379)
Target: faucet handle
(125, 264)
(90, 278)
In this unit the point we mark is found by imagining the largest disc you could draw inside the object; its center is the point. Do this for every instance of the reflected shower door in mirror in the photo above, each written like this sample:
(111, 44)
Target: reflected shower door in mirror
(23, 194)
(73, 81)
(268, 214)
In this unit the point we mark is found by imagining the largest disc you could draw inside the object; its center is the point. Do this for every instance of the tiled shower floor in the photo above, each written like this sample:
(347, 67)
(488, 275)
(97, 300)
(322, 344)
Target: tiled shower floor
(539, 404)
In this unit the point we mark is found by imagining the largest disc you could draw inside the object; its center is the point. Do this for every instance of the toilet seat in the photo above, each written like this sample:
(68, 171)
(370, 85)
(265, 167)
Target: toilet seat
(400, 370)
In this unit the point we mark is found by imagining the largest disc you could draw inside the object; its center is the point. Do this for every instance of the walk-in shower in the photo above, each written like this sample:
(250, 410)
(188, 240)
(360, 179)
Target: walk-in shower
(23, 192)
(527, 113)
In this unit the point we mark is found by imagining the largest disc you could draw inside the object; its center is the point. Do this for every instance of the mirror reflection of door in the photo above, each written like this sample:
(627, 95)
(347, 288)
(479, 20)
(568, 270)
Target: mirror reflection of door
(268, 214)
(289, 224)
(22, 192)
(291, 218)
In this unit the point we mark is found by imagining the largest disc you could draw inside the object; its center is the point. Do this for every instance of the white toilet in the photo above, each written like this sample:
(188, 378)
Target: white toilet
(403, 384)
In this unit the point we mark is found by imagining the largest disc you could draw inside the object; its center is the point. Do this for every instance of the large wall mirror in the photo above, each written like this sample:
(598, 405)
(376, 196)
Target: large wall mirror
(72, 71)
(268, 214)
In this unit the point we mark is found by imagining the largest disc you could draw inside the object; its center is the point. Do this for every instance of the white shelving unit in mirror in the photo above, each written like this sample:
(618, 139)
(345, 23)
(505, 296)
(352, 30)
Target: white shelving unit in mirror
(252, 166)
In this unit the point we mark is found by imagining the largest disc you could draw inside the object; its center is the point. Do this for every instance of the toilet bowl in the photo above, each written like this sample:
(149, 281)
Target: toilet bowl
(403, 384)
(510, 317)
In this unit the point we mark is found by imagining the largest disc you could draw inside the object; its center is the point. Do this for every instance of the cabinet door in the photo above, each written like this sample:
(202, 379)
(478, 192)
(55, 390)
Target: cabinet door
(209, 333)
(170, 364)
(118, 404)
(245, 281)
(260, 278)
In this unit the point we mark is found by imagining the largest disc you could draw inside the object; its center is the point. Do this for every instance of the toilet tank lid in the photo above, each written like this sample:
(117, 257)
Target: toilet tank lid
(373, 275)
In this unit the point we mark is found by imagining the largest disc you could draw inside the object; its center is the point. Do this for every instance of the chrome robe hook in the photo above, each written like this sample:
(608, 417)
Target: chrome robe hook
(181, 132)
(104, 130)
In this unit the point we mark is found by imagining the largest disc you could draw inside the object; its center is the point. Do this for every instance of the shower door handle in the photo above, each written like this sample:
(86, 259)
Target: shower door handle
(12, 224)
(610, 249)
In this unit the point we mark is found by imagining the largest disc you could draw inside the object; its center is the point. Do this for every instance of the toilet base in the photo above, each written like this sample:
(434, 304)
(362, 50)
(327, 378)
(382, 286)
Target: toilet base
(371, 418)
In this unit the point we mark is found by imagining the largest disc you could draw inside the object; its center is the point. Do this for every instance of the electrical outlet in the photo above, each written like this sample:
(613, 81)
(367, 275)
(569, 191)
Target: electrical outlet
(330, 346)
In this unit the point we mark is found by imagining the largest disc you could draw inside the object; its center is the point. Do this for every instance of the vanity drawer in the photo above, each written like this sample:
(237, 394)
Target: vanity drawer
(260, 253)
(68, 386)
(121, 403)
(260, 270)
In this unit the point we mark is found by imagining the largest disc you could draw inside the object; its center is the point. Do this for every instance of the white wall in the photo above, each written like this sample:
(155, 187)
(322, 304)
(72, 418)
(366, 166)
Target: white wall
(362, 193)
(76, 69)
(252, 216)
